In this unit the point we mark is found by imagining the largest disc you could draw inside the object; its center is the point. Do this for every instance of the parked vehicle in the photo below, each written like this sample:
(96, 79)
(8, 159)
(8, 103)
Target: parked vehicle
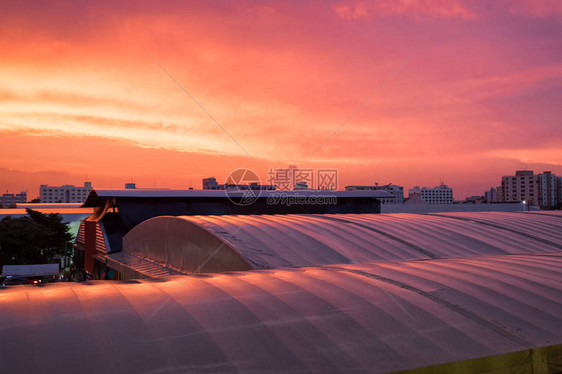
(14, 281)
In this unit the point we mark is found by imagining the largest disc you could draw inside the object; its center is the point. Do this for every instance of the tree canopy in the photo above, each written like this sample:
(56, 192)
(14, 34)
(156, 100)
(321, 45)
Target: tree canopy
(33, 239)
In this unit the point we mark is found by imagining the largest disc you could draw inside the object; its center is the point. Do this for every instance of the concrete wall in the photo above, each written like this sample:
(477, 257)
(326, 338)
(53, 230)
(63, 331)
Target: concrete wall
(434, 208)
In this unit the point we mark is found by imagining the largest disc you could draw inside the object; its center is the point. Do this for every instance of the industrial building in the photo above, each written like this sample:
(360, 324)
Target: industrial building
(118, 211)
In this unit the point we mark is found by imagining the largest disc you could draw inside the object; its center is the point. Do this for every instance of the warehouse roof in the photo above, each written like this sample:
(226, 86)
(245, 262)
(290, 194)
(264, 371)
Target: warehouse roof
(502, 312)
(364, 293)
(221, 243)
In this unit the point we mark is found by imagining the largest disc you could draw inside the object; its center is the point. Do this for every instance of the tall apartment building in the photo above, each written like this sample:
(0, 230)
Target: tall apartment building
(499, 195)
(535, 189)
(64, 194)
(9, 199)
(559, 189)
(547, 187)
(397, 192)
(520, 187)
(441, 194)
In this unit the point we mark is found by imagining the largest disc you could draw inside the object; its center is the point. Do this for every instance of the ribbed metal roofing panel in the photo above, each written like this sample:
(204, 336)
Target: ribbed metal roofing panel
(360, 318)
(145, 268)
(458, 235)
(521, 293)
(547, 228)
(276, 241)
(305, 240)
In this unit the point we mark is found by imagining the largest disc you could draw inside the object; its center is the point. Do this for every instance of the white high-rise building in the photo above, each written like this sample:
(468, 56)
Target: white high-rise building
(64, 194)
(441, 194)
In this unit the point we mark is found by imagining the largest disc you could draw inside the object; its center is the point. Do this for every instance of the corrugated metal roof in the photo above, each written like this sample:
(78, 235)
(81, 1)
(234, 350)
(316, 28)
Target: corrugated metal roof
(361, 318)
(541, 227)
(144, 268)
(275, 241)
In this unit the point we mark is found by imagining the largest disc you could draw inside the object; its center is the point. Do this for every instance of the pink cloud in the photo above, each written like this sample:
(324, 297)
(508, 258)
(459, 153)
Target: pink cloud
(372, 8)
(542, 8)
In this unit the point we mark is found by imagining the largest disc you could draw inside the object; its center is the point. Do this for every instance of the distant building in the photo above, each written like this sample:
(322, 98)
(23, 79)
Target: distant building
(252, 186)
(211, 184)
(491, 196)
(559, 189)
(499, 195)
(547, 188)
(301, 186)
(520, 187)
(9, 199)
(397, 192)
(414, 199)
(441, 194)
(475, 199)
(64, 194)
(130, 186)
(535, 189)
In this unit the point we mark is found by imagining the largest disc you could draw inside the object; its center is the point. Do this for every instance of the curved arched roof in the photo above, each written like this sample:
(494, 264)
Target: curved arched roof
(361, 318)
(220, 243)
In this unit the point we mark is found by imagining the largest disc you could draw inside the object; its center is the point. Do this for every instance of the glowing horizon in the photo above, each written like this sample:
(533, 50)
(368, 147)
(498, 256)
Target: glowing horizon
(81, 97)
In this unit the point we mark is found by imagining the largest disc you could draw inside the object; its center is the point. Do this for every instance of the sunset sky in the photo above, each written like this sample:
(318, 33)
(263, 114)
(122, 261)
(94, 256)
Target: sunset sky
(464, 91)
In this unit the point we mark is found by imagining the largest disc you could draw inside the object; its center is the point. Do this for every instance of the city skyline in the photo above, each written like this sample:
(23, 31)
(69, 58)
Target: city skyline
(298, 181)
(168, 94)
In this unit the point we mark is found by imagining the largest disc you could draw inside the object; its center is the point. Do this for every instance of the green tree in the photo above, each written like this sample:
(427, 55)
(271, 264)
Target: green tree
(33, 239)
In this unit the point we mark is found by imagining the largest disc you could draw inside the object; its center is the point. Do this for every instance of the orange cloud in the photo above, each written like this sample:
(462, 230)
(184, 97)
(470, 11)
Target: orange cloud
(79, 80)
